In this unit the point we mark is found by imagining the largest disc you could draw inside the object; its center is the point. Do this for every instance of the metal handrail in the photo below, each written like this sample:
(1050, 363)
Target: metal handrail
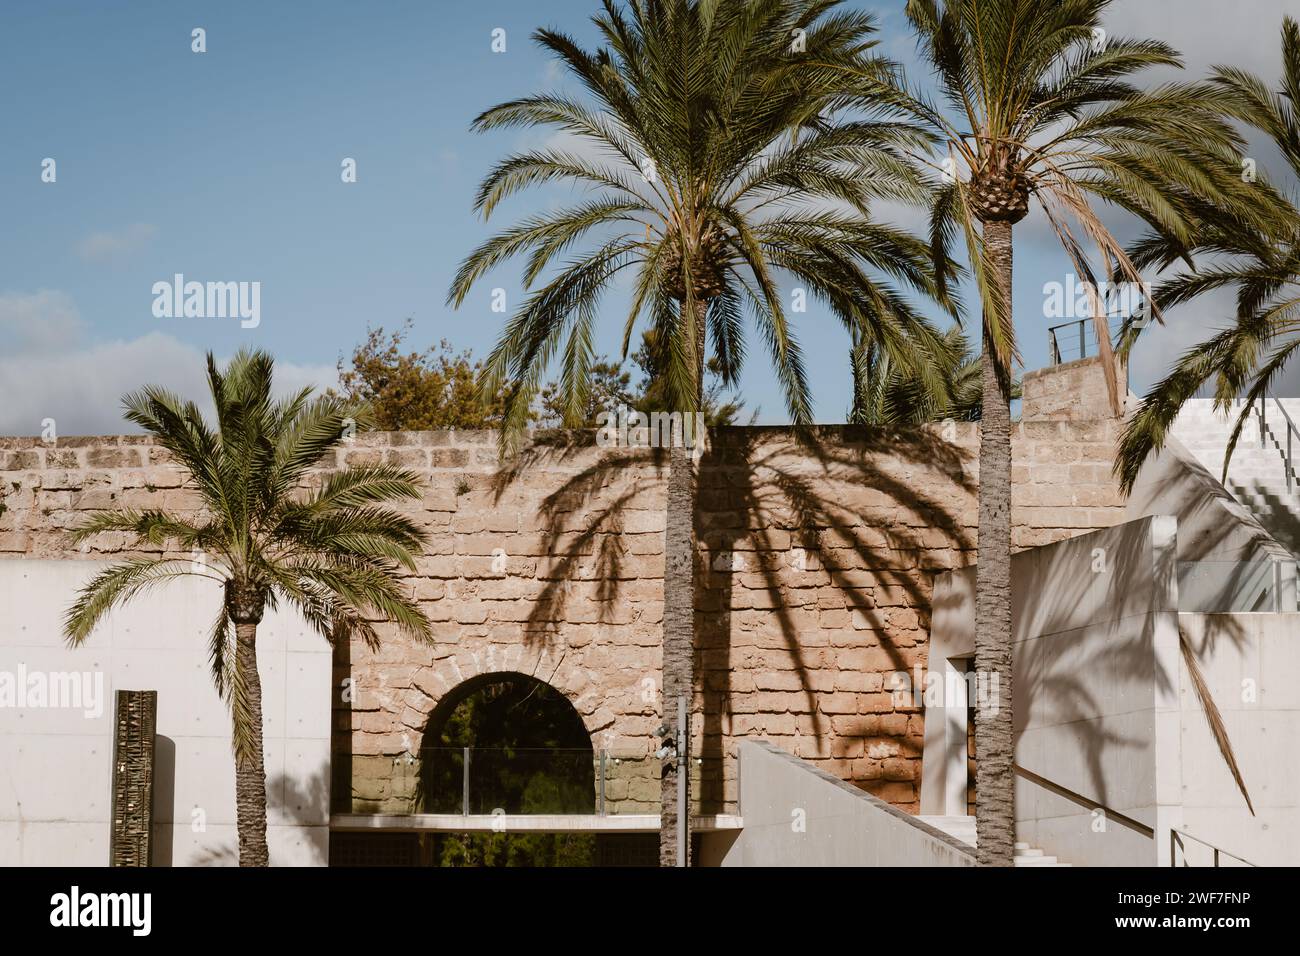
(1176, 843)
(1086, 802)
(1290, 430)
(1056, 345)
(1175, 836)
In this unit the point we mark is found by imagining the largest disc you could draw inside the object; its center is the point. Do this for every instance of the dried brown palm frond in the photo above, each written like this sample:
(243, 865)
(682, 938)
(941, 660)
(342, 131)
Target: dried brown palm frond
(1212, 716)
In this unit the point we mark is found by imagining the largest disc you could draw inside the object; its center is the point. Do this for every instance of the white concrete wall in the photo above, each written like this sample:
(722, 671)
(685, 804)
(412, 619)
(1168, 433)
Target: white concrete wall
(55, 771)
(1093, 619)
(1095, 662)
(1106, 713)
(1250, 663)
(797, 815)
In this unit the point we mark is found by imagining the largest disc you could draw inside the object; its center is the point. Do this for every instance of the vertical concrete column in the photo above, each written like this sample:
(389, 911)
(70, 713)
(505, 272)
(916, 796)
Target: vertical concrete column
(956, 739)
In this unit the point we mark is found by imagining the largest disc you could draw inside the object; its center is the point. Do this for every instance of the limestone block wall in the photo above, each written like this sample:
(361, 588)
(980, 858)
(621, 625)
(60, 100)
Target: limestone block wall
(815, 567)
(1074, 390)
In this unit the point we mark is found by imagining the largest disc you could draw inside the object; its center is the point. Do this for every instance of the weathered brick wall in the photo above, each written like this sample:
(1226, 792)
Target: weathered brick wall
(816, 567)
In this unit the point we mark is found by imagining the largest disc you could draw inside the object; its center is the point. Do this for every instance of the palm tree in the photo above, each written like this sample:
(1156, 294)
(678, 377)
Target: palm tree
(719, 410)
(712, 174)
(268, 533)
(885, 394)
(1039, 107)
(1263, 268)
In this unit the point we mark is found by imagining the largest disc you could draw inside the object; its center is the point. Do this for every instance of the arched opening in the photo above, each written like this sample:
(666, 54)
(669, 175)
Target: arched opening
(527, 749)
(507, 743)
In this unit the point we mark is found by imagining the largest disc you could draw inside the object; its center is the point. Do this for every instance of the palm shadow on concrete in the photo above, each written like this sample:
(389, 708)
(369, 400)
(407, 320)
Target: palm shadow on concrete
(1056, 681)
(298, 799)
(1275, 514)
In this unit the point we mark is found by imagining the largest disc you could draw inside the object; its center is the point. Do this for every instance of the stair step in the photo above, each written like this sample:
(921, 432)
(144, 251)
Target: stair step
(1257, 473)
(959, 827)
(963, 828)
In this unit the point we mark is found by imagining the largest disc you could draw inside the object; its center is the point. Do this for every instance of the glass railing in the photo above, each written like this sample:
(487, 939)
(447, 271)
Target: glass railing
(484, 781)
(1265, 584)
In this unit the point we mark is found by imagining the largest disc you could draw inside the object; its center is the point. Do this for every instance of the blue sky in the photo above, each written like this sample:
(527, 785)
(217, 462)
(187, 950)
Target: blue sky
(226, 166)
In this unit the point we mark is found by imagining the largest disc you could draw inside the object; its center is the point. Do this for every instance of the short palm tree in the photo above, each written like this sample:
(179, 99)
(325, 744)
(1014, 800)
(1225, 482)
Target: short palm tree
(885, 394)
(268, 533)
(1244, 358)
(711, 173)
(1038, 106)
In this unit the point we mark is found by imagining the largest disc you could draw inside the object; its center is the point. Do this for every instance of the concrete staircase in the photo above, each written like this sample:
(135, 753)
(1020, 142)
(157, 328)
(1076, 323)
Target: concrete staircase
(963, 828)
(1257, 475)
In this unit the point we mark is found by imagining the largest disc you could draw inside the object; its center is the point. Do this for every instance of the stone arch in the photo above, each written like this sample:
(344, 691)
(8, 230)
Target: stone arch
(440, 679)
(506, 741)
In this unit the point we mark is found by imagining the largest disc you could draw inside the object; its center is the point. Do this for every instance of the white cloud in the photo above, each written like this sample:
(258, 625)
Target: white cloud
(111, 246)
(1209, 32)
(38, 322)
(80, 384)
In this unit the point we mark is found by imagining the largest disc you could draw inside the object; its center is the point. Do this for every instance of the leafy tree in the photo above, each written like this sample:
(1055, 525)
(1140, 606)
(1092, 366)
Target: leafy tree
(429, 389)
(610, 388)
(711, 171)
(268, 532)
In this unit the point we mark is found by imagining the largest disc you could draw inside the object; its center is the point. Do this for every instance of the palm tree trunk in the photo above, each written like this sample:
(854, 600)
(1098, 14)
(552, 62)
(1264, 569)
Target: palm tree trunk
(250, 767)
(679, 619)
(994, 744)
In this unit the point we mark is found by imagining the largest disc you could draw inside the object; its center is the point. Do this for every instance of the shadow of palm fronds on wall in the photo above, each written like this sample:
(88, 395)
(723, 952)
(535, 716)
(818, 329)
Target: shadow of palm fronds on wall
(839, 535)
(850, 523)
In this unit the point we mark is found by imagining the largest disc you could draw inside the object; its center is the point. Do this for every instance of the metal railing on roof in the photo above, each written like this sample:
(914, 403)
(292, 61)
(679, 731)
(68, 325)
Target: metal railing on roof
(1071, 341)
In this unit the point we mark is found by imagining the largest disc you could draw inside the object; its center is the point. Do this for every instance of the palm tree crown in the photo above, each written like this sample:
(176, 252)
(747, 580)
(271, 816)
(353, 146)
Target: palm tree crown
(330, 550)
(702, 136)
(1041, 106)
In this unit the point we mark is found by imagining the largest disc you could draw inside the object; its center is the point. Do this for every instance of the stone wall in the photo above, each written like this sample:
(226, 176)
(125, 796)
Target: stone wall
(1073, 390)
(816, 568)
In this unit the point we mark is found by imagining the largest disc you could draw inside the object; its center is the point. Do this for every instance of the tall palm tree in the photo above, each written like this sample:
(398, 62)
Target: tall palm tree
(268, 533)
(1038, 106)
(713, 174)
(1244, 358)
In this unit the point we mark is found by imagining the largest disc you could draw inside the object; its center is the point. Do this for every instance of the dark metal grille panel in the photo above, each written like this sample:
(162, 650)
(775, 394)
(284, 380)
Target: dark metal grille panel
(374, 849)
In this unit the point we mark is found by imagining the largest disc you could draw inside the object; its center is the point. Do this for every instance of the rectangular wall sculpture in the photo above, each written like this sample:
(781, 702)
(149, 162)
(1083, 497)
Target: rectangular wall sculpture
(134, 721)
